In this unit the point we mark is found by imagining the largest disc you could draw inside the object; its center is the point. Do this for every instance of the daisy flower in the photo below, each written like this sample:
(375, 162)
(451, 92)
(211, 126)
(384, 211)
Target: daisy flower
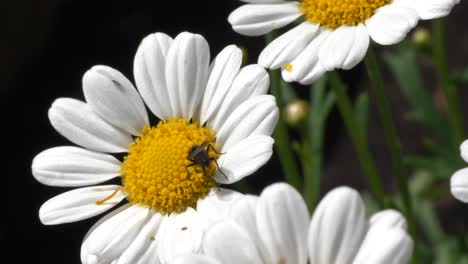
(275, 228)
(459, 180)
(332, 34)
(215, 122)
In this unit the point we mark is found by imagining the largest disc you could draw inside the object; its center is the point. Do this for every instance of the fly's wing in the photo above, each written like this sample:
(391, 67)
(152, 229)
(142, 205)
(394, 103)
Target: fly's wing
(196, 152)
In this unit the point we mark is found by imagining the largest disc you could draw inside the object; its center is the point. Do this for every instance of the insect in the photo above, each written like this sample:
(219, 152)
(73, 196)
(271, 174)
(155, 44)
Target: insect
(198, 155)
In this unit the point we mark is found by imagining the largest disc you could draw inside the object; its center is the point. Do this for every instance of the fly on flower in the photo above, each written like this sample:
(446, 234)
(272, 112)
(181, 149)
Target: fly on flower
(199, 156)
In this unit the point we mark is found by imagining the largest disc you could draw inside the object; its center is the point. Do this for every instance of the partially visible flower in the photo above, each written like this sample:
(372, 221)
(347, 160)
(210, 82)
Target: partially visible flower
(340, 232)
(215, 126)
(275, 228)
(332, 34)
(459, 180)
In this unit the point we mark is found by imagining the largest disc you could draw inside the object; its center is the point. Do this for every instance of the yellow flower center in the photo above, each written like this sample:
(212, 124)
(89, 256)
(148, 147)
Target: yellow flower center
(159, 172)
(336, 13)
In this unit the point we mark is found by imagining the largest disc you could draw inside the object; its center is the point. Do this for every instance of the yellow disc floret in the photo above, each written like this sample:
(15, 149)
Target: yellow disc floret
(335, 13)
(156, 171)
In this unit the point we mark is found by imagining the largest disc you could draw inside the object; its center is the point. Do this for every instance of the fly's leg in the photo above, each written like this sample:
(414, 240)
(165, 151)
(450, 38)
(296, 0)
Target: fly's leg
(211, 179)
(217, 166)
(190, 165)
(208, 146)
(204, 173)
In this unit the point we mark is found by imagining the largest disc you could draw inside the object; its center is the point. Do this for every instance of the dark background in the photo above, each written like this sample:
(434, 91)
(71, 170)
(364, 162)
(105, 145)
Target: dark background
(49, 44)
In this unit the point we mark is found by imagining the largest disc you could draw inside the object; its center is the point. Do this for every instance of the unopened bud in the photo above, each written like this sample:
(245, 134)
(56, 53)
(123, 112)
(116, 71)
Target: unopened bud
(295, 112)
(421, 37)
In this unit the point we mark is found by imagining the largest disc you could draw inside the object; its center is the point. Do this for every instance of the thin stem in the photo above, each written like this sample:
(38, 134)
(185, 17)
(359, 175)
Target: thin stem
(449, 88)
(311, 166)
(359, 142)
(391, 136)
(281, 136)
(313, 140)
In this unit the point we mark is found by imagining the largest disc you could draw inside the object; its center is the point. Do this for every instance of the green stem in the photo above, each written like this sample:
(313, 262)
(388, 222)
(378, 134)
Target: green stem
(449, 88)
(391, 136)
(313, 140)
(359, 142)
(311, 166)
(281, 136)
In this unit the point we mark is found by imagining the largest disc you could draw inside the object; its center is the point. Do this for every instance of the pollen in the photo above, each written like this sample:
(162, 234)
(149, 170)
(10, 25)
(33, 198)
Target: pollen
(336, 13)
(288, 67)
(156, 171)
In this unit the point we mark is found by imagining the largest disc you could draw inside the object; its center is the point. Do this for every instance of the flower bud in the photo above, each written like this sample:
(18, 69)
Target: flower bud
(421, 37)
(295, 112)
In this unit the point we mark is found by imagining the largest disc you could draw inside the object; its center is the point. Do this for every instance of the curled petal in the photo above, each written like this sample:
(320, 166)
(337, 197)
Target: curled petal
(257, 19)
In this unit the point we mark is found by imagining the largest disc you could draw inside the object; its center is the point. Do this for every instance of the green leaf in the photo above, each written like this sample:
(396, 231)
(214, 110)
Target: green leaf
(404, 66)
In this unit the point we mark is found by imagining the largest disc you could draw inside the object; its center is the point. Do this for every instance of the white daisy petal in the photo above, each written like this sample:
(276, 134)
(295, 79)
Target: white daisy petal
(91, 259)
(258, 19)
(382, 226)
(282, 222)
(344, 48)
(224, 69)
(464, 150)
(256, 116)
(113, 97)
(337, 228)
(305, 68)
(230, 244)
(243, 212)
(252, 80)
(79, 204)
(115, 235)
(430, 9)
(195, 259)
(216, 205)
(182, 234)
(187, 69)
(459, 185)
(149, 70)
(142, 249)
(78, 123)
(390, 24)
(84, 255)
(150, 256)
(244, 158)
(286, 47)
(73, 166)
(392, 245)
(313, 75)
(389, 218)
